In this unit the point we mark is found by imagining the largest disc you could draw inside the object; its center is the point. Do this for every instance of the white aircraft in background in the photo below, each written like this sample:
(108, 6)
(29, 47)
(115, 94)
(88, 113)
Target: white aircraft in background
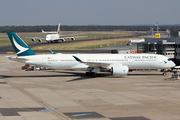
(130, 41)
(54, 36)
(116, 64)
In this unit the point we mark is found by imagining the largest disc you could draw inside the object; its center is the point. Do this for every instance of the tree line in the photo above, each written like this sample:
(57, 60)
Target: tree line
(4, 29)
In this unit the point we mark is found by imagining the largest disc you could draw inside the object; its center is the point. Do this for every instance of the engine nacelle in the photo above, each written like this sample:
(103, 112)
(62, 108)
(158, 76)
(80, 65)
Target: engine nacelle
(39, 40)
(72, 38)
(33, 39)
(120, 70)
(62, 39)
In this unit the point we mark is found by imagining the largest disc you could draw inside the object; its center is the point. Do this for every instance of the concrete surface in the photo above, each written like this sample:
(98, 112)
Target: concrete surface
(66, 95)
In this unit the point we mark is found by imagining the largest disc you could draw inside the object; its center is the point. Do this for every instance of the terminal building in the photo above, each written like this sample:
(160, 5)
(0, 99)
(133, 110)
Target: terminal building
(168, 46)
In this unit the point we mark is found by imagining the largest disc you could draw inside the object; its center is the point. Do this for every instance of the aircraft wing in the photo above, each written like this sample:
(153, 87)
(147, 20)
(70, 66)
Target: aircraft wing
(113, 68)
(75, 37)
(72, 38)
(38, 38)
(95, 64)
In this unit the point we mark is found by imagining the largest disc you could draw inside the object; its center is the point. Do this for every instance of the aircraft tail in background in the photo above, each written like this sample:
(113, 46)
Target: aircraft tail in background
(58, 30)
(53, 32)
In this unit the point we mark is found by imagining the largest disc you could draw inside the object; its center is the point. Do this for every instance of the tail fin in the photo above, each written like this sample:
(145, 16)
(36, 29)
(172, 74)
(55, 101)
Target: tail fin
(58, 30)
(20, 47)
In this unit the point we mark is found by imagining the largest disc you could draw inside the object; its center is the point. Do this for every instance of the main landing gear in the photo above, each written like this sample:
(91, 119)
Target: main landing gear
(92, 74)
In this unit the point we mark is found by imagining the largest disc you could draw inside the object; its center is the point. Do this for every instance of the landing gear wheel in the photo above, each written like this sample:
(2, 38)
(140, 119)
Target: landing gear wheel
(164, 73)
(93, 74)
(87, 73)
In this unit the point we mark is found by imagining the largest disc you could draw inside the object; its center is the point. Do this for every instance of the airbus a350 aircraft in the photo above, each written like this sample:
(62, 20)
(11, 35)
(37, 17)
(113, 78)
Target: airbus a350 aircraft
(116, 64)
(54, 36)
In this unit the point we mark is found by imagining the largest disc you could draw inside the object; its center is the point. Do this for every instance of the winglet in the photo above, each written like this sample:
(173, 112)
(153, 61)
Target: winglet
(79, 60)
(52, 52)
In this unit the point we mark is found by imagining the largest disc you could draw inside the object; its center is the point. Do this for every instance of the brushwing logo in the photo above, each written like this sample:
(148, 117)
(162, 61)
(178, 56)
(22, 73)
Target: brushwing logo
(20, 48)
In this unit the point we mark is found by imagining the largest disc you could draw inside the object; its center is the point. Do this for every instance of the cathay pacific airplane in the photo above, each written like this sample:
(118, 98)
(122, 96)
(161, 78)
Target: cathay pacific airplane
(116, 64)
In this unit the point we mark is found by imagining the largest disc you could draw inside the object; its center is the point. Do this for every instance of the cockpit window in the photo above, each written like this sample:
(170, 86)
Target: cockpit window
(169, 59)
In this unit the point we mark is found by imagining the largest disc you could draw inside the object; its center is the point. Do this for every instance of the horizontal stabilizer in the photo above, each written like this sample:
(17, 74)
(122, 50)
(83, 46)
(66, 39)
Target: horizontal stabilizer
(15, 58)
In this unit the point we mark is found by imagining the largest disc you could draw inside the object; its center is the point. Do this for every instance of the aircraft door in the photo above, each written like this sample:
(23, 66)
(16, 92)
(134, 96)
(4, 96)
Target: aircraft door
(160, 60)
(43, 60)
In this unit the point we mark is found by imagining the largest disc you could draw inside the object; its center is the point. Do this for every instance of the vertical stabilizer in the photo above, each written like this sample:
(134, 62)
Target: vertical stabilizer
(58, 30)
(20, 47)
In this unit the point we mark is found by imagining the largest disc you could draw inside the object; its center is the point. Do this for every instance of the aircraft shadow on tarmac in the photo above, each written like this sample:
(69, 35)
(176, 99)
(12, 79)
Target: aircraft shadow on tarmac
(81, 76)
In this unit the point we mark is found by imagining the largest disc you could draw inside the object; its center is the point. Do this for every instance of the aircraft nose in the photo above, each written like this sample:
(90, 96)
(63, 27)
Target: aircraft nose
(173, 64)
(47, 38)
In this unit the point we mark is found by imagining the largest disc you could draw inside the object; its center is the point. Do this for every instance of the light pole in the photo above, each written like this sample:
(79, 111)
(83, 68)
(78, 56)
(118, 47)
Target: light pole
(157, 28)
(151, 29)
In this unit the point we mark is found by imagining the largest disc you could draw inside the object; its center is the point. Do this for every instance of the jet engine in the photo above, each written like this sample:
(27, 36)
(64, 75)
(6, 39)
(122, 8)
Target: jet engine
(39, 40)
(72, 38)
(33, 39)
(119, 70)
(62, 39)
